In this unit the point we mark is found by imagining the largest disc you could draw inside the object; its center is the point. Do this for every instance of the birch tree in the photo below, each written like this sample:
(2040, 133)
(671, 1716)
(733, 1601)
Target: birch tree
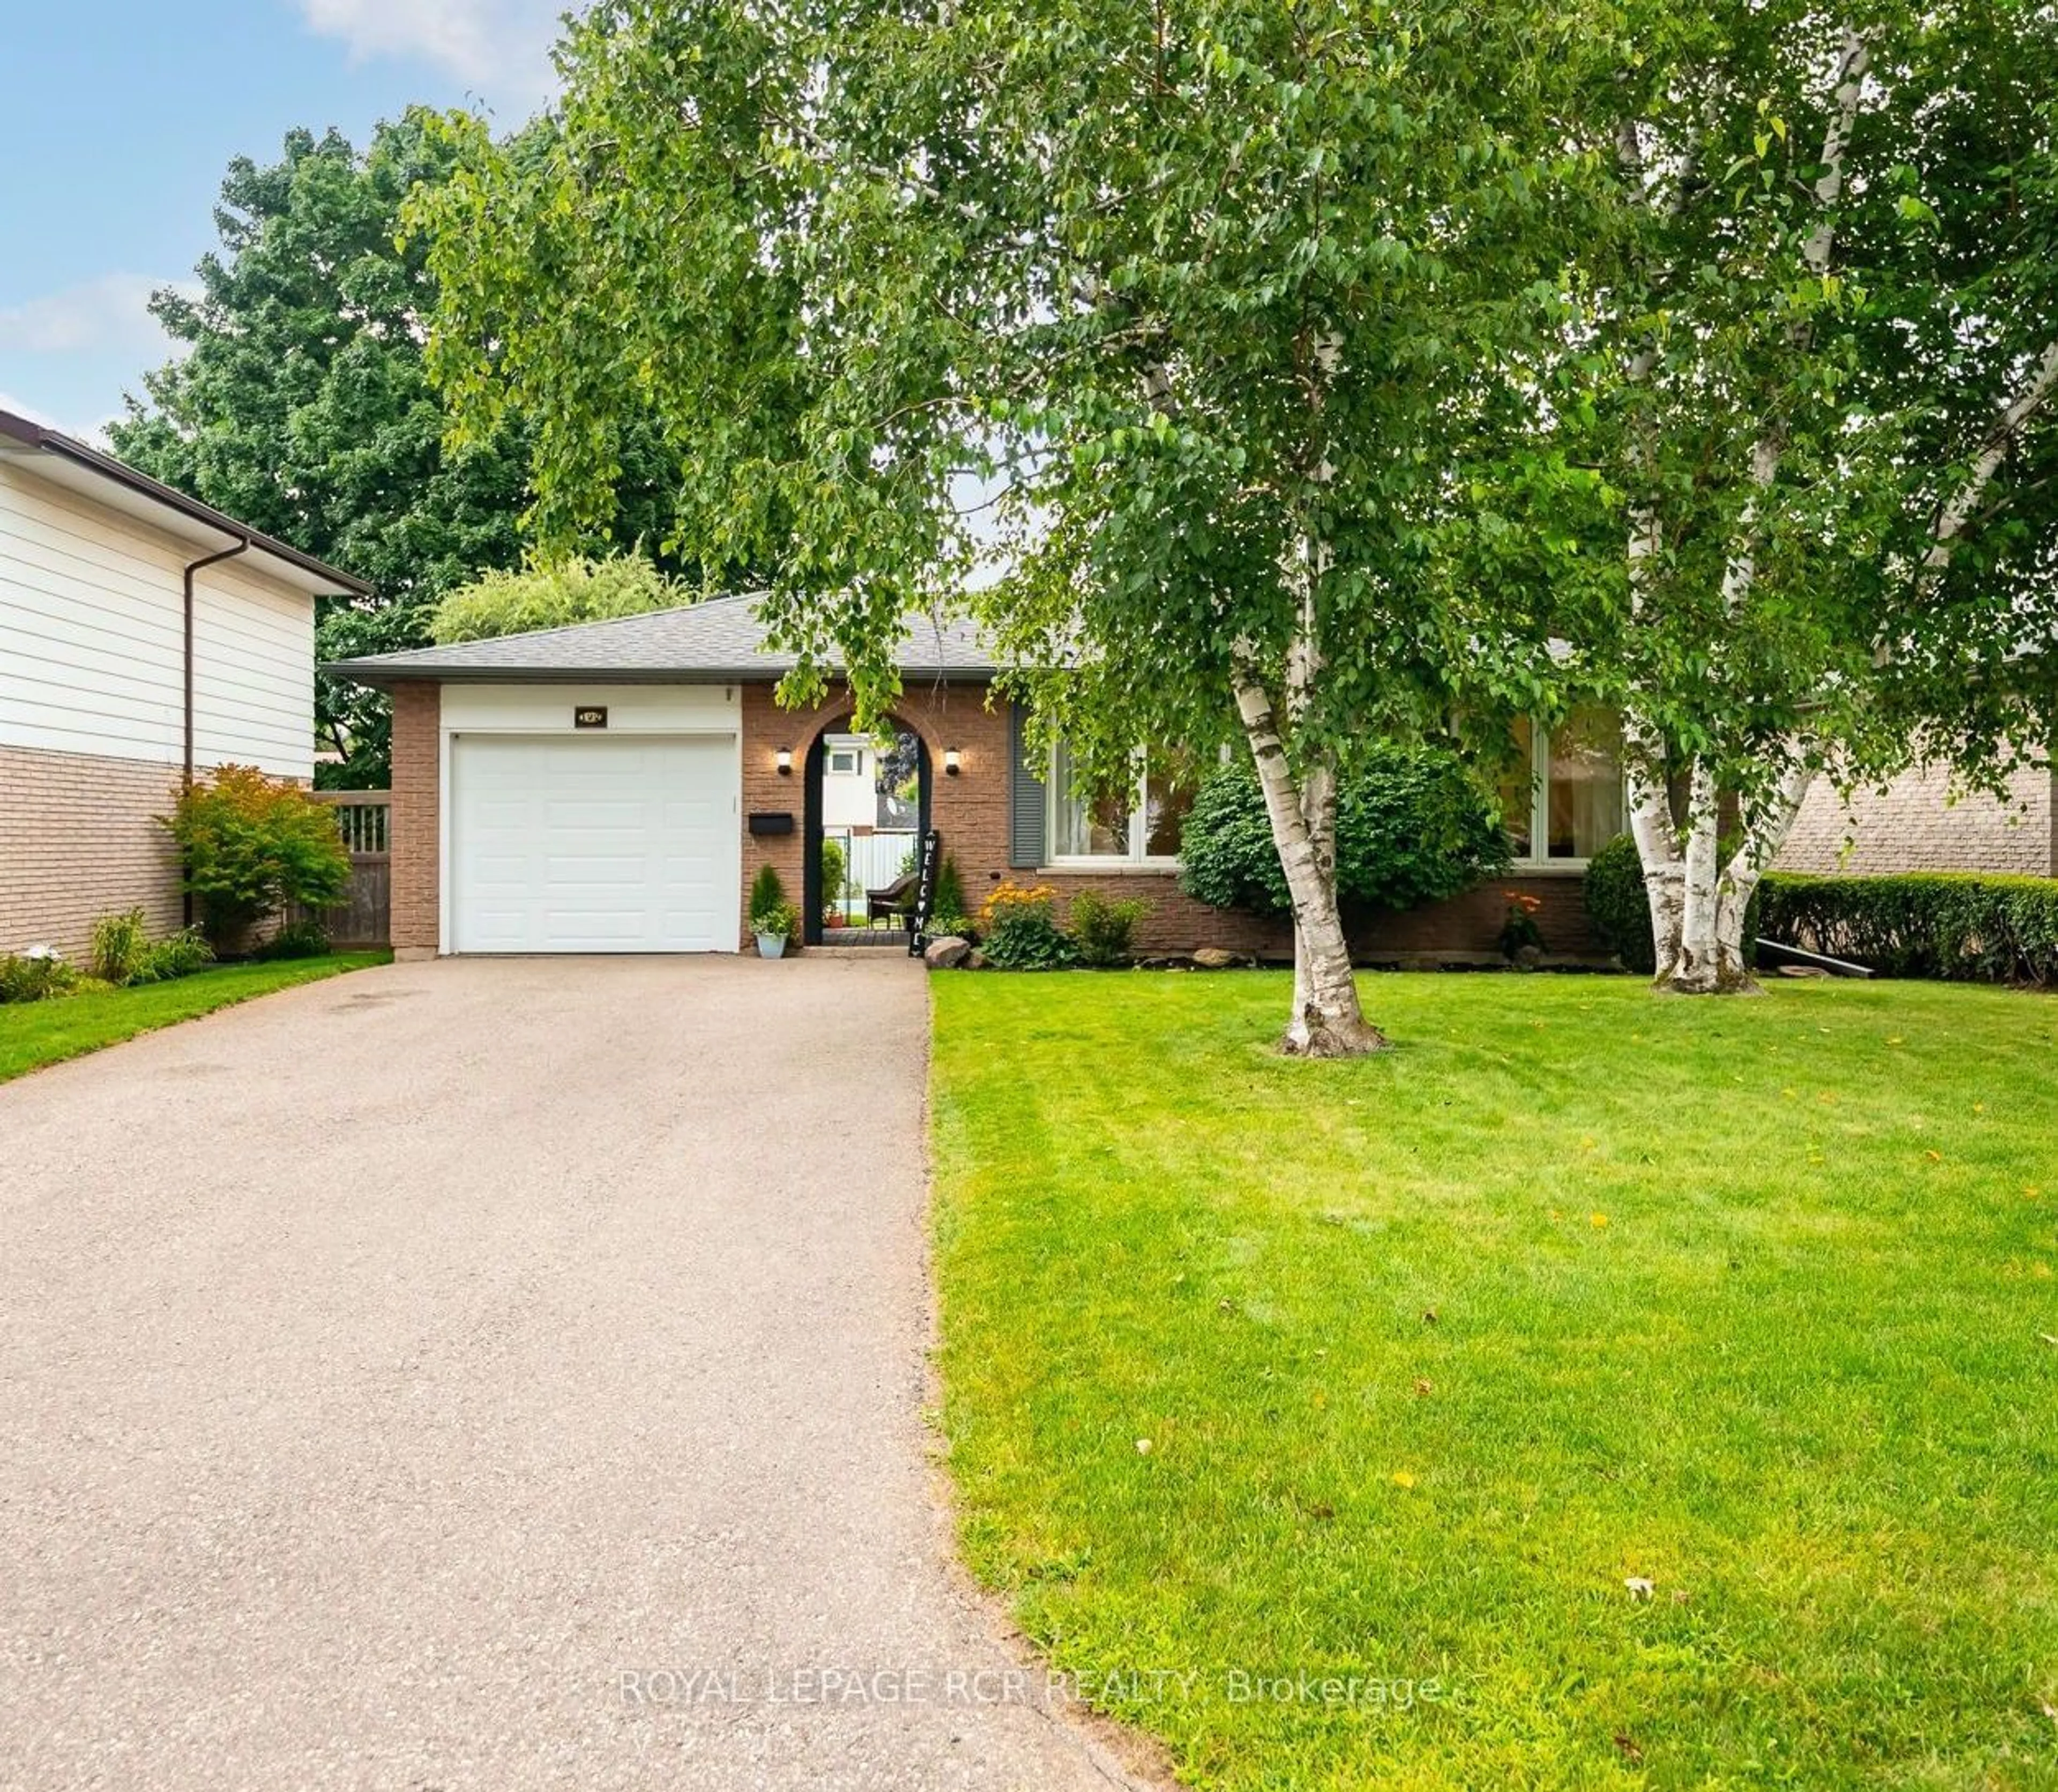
(1825, 342)
(1162, 337)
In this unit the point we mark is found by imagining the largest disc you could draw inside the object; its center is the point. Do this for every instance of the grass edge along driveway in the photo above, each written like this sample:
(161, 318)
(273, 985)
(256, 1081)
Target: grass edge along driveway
(1599, 1390)
(35, 1035)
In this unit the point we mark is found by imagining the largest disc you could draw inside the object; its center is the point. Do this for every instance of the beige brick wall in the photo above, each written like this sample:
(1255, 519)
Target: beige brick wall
(79, 839)
(1911, 825)
(413, 829)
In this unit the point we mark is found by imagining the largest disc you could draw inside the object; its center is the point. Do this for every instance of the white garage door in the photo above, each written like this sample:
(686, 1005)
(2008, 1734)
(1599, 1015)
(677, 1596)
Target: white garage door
(571, 844)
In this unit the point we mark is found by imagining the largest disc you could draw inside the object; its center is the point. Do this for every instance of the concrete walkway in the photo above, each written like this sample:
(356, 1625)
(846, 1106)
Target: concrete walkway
(491, 1374)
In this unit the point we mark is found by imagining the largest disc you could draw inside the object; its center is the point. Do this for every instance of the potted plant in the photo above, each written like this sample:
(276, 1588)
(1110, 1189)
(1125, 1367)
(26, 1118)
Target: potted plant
(1521, 939)
(773, 926)
(773, 918)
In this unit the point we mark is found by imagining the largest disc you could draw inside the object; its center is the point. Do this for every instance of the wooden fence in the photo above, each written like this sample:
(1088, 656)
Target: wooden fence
(364, 916)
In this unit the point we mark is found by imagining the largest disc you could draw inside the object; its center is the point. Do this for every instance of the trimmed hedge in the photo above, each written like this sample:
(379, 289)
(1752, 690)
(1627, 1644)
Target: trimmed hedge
(1961, 925)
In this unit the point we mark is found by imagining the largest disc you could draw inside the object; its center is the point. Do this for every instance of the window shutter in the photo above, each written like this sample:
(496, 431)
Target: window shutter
(1025, 795)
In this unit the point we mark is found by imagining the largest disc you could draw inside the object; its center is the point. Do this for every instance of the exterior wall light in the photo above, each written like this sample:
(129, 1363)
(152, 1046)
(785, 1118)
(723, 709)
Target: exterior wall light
(952, 764)
(785, 762)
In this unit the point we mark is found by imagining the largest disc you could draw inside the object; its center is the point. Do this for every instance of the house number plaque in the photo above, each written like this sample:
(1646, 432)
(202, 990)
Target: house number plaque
(590, 716)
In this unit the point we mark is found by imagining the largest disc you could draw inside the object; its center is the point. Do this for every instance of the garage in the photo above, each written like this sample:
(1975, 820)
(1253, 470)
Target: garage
(565, 843)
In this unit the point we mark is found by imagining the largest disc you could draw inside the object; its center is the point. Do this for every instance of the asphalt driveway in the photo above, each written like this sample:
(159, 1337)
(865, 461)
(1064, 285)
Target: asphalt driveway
(491, 1374)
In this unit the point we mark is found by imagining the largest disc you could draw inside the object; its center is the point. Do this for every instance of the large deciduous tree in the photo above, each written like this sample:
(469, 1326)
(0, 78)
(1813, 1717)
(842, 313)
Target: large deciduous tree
(1824, 332)
(1190, 317)
(301, 404)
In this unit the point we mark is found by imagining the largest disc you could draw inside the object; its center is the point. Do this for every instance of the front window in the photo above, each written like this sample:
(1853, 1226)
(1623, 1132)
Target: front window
(1562, 800)
(1138, 823)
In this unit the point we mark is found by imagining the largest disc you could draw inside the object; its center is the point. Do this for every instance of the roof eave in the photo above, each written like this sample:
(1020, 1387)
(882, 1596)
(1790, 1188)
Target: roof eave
(372, 673)
(24, 434)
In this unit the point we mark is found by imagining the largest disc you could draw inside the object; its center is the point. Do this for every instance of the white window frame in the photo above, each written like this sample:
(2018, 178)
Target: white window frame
(856, 762)
(1135, 859)
(1540, 808)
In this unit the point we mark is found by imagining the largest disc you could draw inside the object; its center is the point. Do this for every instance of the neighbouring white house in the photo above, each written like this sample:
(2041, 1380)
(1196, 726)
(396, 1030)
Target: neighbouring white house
(850, 782)
(144, 638)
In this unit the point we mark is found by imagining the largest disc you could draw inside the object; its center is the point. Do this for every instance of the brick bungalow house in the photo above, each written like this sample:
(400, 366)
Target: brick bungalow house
(144, 637)
(615, 787)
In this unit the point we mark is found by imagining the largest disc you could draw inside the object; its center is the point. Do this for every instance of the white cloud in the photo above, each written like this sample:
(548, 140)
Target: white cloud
(499, 45)
(109, 314)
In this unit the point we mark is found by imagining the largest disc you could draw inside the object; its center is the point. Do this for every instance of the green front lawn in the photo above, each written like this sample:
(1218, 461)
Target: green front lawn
(1434, 1354)
(34, 1034)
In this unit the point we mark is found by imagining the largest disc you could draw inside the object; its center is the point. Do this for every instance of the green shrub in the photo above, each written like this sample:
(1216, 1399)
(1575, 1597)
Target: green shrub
(1103, 928)
(123, 956)
(252, 845)
(35, 976)
(767, 891)
(553, 597)
(178, 954)
(119, 942)
(1616, 906)
(1020, 933)
(953, 926)
(1411, 827)
(949, 897)
(301, 939)
(835, 868)
(770, 912)
(1962, 926)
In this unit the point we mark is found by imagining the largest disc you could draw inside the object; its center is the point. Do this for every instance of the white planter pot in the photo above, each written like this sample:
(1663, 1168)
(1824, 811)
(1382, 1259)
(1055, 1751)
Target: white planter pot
(771, 945)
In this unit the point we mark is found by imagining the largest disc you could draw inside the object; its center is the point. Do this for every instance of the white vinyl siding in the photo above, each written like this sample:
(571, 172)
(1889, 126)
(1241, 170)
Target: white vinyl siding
(91, 658)
(253, 674)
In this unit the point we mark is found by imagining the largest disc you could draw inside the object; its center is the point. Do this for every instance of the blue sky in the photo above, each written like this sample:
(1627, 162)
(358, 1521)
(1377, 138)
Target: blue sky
(123, 115)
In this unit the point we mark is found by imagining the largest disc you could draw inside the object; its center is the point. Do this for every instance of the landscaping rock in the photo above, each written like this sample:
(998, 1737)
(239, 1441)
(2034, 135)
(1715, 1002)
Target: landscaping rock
(976, 961)
(948, 953)
(1216, 958)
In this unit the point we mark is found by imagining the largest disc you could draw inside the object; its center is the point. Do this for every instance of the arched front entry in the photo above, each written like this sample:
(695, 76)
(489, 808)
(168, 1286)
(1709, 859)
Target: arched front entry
(814, 899)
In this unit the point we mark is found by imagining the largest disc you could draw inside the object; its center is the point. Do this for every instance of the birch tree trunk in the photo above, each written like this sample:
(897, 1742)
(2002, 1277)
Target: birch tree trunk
(1327, 1021)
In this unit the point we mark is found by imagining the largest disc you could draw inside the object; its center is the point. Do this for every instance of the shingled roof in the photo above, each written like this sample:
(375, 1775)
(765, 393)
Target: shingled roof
(720, 640)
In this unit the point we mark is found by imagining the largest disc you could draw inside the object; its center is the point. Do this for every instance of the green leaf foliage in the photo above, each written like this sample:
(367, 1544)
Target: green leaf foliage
(250, 845)
(1972, 926)
(1800, 330)
(578, 590)
(1193, 316)
(299, 403)
(1104, 928)
(1617, 907)
(1411, 827)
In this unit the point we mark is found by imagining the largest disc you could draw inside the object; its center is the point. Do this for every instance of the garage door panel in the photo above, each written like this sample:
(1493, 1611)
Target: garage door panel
(593, 845)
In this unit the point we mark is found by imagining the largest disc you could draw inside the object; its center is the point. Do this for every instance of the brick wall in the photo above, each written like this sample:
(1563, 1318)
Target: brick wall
(1466, 927)
(81, 839)
(969, 810)
(972, 812)
(1911, 825)
(413, 829)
